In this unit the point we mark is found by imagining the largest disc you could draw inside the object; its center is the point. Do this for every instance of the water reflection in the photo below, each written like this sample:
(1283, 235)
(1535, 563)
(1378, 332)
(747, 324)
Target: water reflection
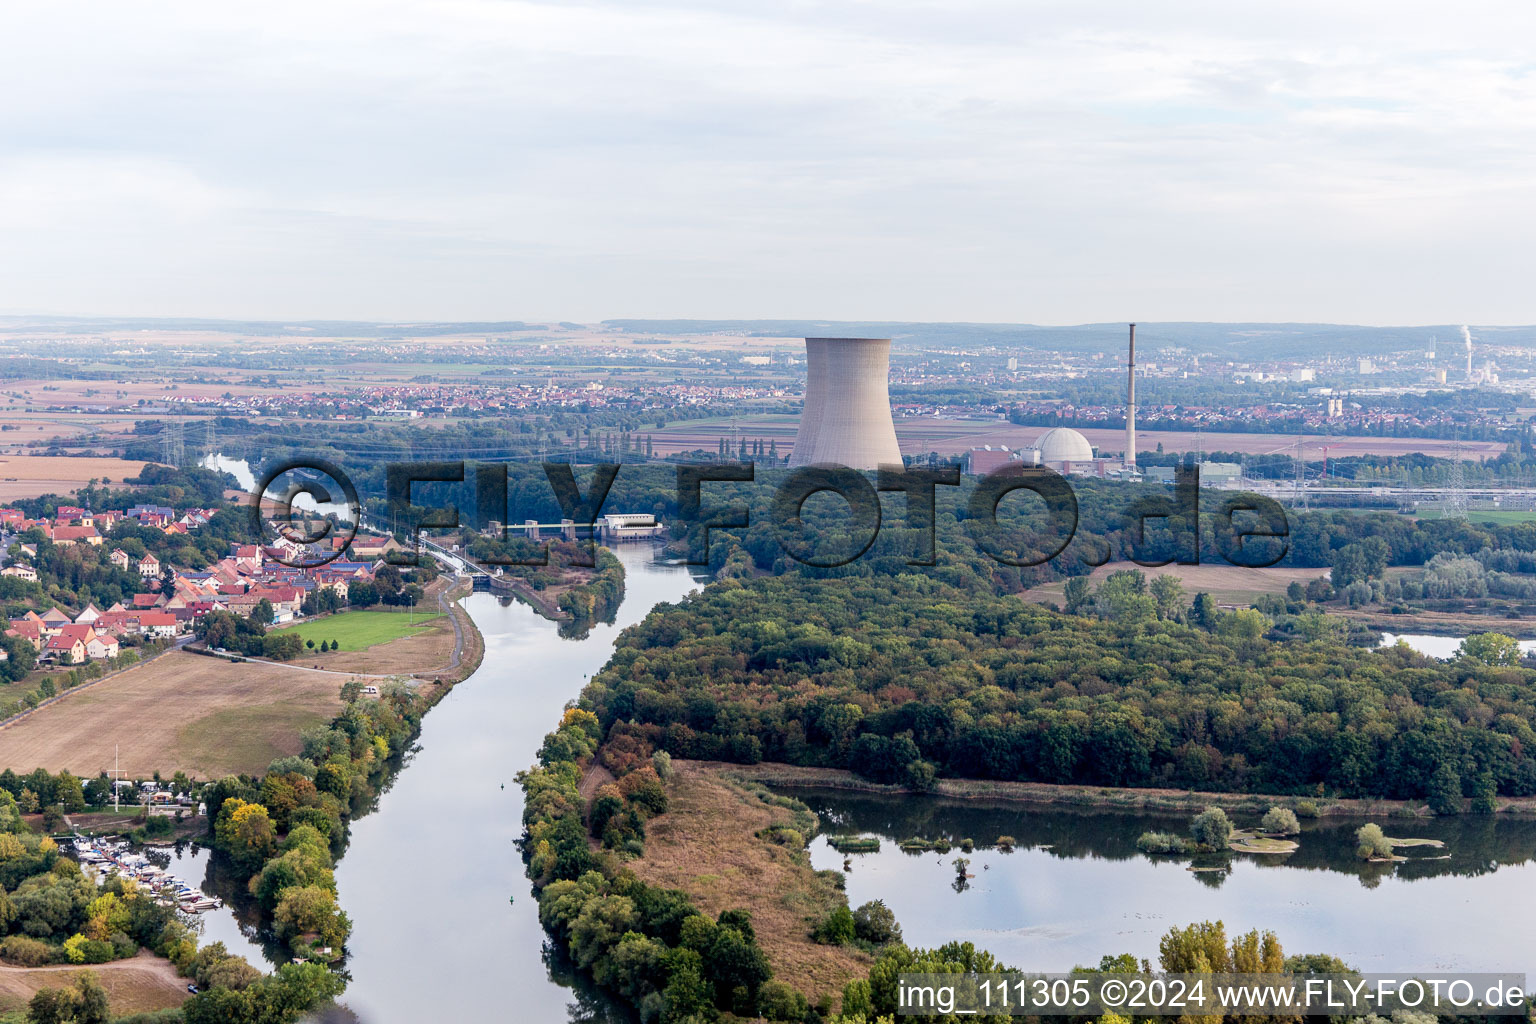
(1076, 887)
(237, 924)
(444, 924)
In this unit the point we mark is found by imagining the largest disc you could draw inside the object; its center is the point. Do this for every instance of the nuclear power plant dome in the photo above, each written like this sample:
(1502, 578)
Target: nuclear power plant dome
(1063, 444)
(846, 420)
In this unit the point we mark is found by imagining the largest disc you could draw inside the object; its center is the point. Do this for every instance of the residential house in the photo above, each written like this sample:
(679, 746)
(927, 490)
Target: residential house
(29, 630)
(52, 619)
(68, 650)
(21, 572)
(160, 625)
(89, 615)
(101, 645)
(119, 558)
(149, 566)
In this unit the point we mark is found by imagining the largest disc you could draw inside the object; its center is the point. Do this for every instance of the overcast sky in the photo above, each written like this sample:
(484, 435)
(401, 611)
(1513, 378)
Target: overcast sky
(1046, 163)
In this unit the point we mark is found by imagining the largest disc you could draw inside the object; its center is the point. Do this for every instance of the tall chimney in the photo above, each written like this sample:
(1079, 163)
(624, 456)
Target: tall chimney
(1130, 407)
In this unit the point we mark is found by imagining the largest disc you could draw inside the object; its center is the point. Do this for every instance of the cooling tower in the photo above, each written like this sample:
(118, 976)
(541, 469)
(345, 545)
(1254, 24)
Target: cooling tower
(847, 416)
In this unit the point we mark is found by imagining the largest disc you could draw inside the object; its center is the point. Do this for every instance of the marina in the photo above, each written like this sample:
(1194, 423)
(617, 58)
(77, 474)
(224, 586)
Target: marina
(109, 857)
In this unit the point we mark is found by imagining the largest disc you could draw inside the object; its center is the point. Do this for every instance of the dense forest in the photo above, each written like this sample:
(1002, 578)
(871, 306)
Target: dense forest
(907, 677)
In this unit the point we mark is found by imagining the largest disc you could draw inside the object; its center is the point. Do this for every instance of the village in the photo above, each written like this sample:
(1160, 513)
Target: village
(173, 598)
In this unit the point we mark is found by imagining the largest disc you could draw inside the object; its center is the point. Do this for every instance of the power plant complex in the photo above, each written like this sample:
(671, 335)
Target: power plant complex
(846, 420)
(847, 416)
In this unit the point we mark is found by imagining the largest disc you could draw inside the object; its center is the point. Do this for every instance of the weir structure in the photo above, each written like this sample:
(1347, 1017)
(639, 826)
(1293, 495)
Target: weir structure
(847, 416)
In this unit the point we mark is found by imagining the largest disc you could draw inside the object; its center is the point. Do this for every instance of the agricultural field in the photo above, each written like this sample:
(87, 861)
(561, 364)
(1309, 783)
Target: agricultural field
(1227, 584)
(201, 715)
(1490, 516)
(30, 476)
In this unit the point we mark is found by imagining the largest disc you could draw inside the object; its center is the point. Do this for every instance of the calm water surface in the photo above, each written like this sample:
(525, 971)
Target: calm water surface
(1440, 646)
(1077, 888)
(428, 875)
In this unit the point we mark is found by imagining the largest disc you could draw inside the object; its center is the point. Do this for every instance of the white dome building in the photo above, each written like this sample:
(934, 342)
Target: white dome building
(1062, 449)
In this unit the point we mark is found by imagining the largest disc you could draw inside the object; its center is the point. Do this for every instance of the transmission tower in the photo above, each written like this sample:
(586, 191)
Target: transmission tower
(1455, 506)
(1301, 474)
(211, 438)
(172, 445)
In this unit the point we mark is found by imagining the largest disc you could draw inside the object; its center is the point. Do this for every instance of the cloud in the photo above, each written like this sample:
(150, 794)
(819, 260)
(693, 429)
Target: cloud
(886, 160)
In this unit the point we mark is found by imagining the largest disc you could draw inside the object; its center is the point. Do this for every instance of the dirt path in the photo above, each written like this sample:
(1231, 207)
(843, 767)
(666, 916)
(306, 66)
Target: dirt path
(596, 778)
(450, 608)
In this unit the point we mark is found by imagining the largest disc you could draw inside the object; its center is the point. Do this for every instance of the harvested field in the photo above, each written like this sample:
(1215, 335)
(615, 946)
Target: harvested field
(706, 845)
(1227, 584)
(138, 984)
(31, 476)
(204, 716)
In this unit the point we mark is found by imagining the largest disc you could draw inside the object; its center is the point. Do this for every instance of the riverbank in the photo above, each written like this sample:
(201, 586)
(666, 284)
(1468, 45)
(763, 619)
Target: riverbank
(1457, 624)
(468, 644)
(725, 846)
(1046, 794)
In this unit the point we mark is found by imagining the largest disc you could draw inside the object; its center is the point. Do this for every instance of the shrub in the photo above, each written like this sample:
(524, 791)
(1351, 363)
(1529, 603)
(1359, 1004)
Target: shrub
(1161, 842)
(1280, 821)
(1306, 809)
(837, 929)
(1211, 828)
(1373, 843)
(854, 844)
(28, 952)
(876, 923)
(777, 1000)
(1006, 843)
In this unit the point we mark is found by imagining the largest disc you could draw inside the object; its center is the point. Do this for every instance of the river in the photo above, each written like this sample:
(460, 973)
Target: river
(428, 875)
(1076, 888)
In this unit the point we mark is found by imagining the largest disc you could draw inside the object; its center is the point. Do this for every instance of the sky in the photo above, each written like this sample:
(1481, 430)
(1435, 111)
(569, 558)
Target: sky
(1025, 162)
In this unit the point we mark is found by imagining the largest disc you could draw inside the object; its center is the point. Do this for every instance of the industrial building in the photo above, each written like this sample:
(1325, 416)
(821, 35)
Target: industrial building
(623, 526)
(983, 460)
(846, 420)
